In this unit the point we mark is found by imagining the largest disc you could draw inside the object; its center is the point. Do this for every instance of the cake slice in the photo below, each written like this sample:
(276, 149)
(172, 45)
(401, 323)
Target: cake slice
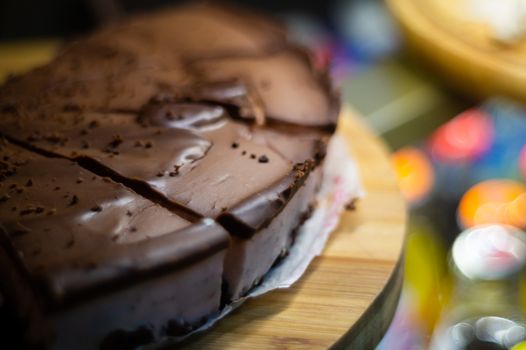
(83, 257)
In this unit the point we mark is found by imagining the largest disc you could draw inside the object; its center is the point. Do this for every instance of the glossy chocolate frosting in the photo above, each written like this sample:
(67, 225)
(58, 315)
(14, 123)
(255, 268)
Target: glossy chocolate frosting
(176, 148)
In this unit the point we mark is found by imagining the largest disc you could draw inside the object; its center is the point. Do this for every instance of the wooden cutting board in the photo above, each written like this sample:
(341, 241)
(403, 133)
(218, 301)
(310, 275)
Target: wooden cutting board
(461, 48)
(348, 296)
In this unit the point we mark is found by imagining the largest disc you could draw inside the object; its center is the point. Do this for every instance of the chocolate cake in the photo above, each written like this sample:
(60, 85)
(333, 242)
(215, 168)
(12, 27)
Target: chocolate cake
(152, 173)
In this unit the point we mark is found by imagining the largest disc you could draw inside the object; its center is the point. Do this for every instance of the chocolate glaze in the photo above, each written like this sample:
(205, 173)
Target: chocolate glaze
(154, 148)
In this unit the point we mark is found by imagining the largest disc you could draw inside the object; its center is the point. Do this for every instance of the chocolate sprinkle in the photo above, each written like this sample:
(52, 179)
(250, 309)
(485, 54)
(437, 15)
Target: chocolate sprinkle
(263, 159)
(74, 200)
(97, 209)
(93, 124)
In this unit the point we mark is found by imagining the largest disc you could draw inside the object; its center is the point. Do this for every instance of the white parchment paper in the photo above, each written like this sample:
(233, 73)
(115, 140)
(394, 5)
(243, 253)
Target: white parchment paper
(340, 185)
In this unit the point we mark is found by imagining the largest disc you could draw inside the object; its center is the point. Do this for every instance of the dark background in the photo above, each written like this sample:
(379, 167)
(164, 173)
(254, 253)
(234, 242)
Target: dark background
(65, 18)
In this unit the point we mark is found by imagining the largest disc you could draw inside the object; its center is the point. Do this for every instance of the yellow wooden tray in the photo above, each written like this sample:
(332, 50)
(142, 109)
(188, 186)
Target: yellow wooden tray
(461, 49)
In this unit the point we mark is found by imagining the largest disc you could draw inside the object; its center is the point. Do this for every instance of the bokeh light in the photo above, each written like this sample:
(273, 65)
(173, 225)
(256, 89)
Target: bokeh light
(494, 202)
(522, 161)
(490, 252)
(415, 173)
(464, 138)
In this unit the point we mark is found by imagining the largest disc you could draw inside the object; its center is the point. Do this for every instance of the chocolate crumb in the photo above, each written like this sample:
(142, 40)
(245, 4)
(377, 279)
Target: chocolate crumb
(93, 124)
(148, 144)
(56, 188)
(116, 141)
(129, 213)
(97, 209)
(160, 174)
(235, 145)
(27, 211)
(351, 205)
(51, 212)
(133, 229)
(4, 198)
(84, 144)
(83, 132)
(29, 183)
(114, 238)
(243, 153)
(263, 159)
(79, 180)
(74, 200)
(252, 156)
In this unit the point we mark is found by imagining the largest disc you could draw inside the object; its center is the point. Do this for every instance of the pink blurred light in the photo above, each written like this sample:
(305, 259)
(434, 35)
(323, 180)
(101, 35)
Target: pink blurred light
(522, 162)
(464, 138)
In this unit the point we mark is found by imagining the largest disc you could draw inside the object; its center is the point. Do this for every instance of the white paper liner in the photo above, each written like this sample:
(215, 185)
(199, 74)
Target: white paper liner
(340, 185)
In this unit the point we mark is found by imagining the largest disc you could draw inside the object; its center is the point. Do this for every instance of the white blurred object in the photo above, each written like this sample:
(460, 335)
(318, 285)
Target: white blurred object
(507, 18)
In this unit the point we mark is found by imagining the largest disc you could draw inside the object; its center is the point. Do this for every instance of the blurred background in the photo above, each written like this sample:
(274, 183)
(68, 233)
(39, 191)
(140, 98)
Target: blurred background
(444, 83)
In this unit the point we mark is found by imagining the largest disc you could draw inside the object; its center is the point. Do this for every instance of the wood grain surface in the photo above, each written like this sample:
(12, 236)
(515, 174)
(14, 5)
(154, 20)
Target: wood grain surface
(348, 296)
(461, 48)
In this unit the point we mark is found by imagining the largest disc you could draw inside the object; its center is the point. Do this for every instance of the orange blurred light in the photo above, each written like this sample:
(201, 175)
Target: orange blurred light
(465, 137)
(415, 173)
(494, 202)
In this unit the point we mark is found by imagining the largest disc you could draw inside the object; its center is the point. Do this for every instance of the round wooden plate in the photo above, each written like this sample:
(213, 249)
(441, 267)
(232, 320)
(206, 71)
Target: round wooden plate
(461, 48)
(348, 296)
